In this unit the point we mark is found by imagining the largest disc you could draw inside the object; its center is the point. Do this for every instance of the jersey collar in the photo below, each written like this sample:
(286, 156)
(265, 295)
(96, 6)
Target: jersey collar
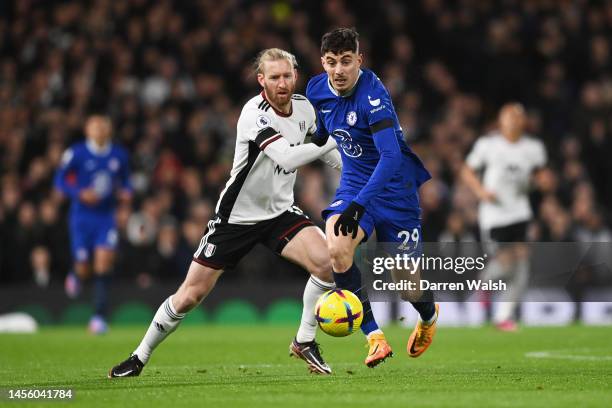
(96, 150)
(349, 93)
(279, 113)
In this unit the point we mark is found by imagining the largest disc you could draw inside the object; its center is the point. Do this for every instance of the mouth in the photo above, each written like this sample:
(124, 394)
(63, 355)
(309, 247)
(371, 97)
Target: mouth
(340, 81)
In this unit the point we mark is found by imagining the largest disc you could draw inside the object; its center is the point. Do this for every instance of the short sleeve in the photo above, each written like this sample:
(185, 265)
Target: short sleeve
(67, 158)
(313, 120)
(476, 159)
(257, 126)
(378, 106)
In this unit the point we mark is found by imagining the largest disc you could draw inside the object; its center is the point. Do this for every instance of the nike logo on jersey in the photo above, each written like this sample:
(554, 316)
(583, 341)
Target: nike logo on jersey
(356, 215)
(325, 110)
(373, 102)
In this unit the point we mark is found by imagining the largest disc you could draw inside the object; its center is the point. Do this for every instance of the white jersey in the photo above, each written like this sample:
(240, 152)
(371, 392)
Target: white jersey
(507, 171)
(258, 188)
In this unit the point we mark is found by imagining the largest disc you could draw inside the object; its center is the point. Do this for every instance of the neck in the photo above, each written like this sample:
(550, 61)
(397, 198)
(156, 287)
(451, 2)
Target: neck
(97, 148)
(513, 136)
(286, 108)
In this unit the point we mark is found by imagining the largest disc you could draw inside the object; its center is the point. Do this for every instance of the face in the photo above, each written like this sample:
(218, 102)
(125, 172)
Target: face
(342, 69)
(278, 79)
(98, 129)
(512, 119)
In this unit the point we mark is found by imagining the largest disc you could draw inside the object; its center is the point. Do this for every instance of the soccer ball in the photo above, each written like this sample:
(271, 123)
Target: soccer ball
(339, 312)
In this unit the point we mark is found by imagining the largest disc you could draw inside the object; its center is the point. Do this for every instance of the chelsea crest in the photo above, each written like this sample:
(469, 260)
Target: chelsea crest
(351, 118)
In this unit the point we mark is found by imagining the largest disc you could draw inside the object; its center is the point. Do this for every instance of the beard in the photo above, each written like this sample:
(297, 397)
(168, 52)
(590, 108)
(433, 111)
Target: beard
(279, 100)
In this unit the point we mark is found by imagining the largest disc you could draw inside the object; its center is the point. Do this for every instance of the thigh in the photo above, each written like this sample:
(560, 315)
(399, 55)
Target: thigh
(399, 232)
(366, 223)
(308, 249)
(508, 241)
(81, 240)
(224, 245)
(280, 231)
(342, 245)
(105, 234)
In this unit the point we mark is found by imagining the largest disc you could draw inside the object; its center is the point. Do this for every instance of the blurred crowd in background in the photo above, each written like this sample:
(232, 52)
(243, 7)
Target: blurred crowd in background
(173, 76)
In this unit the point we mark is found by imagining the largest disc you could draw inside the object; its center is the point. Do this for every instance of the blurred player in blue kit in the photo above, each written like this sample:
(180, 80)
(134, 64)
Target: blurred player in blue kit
(94, 175)
(378, 188)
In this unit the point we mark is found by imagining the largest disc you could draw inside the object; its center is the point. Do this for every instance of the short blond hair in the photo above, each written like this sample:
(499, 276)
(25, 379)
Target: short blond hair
(273, 54)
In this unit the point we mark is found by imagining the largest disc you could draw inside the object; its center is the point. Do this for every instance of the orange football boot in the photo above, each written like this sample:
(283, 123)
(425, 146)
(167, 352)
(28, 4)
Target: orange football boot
(379, 350)
(422, 336)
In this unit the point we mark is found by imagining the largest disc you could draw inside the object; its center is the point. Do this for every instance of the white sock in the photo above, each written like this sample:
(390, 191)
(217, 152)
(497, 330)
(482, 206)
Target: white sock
(517, 283)
(315, 287)
(377, 331)
(165, 321)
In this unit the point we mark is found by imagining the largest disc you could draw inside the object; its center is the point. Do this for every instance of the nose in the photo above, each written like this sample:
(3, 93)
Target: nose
(338, 69)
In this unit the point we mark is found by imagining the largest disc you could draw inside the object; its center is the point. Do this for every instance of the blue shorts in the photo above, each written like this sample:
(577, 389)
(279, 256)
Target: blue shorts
(396, 226)
(88, 233)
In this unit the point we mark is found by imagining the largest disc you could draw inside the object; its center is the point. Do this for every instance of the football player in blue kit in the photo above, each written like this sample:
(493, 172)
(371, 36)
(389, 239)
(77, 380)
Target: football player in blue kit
(94, 175)
(380, 178)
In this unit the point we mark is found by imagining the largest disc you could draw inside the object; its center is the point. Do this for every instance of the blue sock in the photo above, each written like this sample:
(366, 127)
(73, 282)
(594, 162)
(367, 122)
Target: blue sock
(351, 280)
(101, 294)
(425, 306)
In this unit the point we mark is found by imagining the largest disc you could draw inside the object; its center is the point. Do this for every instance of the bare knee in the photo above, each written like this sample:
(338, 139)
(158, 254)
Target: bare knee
(341, 255)
(188, 297)
(103, 261)
(322, 269)
(82, 270)
(199, 282)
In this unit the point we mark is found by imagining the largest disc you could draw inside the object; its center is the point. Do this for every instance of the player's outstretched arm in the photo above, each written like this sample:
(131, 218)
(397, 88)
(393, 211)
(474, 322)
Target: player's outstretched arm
(390, 160)
(332, 159)
(291, 157)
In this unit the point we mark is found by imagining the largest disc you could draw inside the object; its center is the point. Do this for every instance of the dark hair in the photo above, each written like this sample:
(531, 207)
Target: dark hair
(340, 40)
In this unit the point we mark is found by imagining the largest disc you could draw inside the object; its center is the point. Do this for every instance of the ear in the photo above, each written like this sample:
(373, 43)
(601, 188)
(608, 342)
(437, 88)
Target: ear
(323, 62)
(295, 74)
(359, 59)
(260, 79)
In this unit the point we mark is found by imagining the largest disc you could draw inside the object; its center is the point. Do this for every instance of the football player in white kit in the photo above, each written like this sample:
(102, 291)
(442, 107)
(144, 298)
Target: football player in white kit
(256, 206)
(508, 159)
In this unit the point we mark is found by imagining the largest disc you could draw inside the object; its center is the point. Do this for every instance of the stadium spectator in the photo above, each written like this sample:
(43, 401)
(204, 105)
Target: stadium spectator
(170, 74)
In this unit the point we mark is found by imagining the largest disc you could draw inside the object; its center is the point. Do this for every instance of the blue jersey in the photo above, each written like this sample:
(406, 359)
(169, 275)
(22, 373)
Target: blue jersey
(374, 169)
(106, 172)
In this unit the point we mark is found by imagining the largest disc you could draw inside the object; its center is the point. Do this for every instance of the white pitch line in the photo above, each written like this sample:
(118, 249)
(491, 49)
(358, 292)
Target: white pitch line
(560, 355)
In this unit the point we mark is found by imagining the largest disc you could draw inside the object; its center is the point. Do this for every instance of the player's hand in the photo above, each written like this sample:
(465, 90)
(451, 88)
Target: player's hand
(488, 196)
(89, 196)
(348, 222)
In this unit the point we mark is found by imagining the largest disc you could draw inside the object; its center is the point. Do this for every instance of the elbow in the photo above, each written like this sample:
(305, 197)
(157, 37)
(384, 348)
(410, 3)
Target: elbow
(286, 165)
(392, 159)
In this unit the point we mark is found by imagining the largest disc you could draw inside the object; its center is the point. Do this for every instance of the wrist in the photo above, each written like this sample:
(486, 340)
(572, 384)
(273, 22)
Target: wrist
(355, 210)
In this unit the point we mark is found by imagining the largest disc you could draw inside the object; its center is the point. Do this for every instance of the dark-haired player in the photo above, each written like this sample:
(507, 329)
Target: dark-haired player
(380, 178)
(94, 174)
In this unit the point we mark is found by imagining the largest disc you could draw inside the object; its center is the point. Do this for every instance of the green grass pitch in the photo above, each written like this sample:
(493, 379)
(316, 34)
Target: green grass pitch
(248, 366)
